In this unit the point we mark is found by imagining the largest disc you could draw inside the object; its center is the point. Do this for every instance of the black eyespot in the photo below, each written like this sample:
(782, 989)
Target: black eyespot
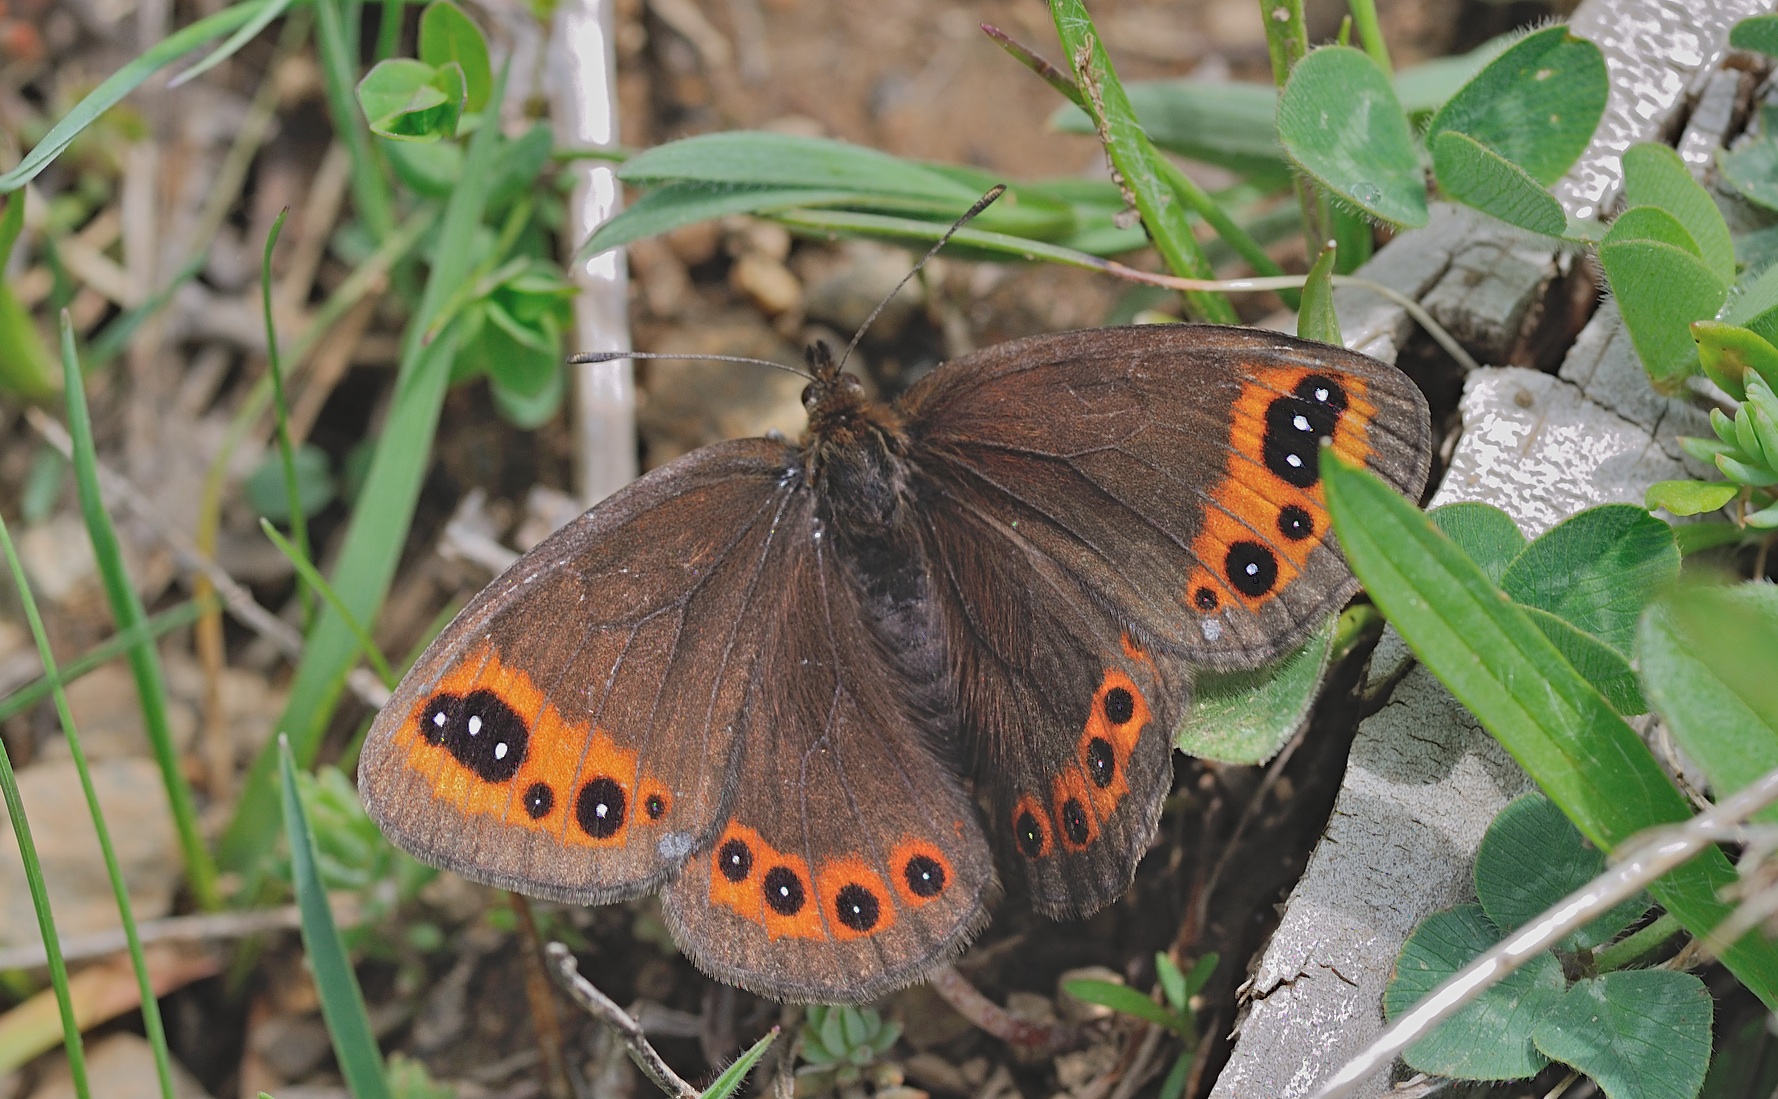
(1251, 568)
(784, 891)
(856, 907)
(1120, 705)
(925, 876)
(599, 808)
(1295, 523)
(1101, 762)
(539, 800)
(1294, 430)
(1206, 599)
(482, 732)
(654, 805)
(735, 859)
(1029, 833)
(1074, 821)
(1322, 390)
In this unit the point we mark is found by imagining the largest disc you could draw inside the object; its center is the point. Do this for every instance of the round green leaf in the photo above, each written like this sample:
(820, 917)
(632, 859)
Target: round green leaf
(1655, 176)
(1532, 857)
(265, 490)
(1537, 104)
(1246, 717)
(1607, 669)
(1490, 1039)
(1339, 121)
(447, 35)
(1689, 497)
(1640, 1034)
(1598, 570)
(1758, 33)
(1661, 289)
(1728, 353)
(1488, 535)
(1752, 169)
(1477, 176)
(1652, 223)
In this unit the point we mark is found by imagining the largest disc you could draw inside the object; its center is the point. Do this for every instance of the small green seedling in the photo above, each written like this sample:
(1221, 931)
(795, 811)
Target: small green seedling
(1174, 1013)
(842, 1047)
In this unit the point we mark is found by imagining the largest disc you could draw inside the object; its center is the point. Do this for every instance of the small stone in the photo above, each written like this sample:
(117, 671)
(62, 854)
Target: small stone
(934, 1073)
(751, 237)
(767, 283)
(119, 1066)
(660, 276)
(1031, 1007)
(135, 805)
(58, 557)
(846, 283)
(293, 1046)
(696, 243)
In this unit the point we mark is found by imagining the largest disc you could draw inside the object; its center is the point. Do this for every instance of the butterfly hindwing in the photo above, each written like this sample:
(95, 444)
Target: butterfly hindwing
(572, 733)
(852, 860)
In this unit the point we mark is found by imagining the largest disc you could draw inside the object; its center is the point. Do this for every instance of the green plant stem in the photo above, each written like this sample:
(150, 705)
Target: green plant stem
(299, 523)
(1631, 947)
(21, 830)
(371, 192)
(26, 366)
(1218, 219)
(151, 1016)
(126, 607)
(1370, 33)
(110, 649)
(317, 582)
(389, 29)
(1287, 40)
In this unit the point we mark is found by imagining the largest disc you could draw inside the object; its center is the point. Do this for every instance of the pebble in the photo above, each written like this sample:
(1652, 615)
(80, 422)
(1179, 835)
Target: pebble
(661, 278)
(845, 283)
(292, 1046)
(58, 557)
(135, 806)
(767, 283)
(692, 404)
(119, 1066)
(696, 243)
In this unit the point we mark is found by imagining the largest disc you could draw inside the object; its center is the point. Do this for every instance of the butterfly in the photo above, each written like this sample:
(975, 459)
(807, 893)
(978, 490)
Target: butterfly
(824, 696)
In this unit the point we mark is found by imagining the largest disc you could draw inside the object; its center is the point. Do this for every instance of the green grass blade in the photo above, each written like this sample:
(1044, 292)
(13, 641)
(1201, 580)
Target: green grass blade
(126, 608)
(378, 529)
(26, 366)
(21, 831)
(312, 577)
(121, 83)
(1134, 157)
(342, 1004)
(371, 193)
(299, 523)
(1370, 33)
(1517, 684)
(240, 38)
(158, 625)
(730, 1080)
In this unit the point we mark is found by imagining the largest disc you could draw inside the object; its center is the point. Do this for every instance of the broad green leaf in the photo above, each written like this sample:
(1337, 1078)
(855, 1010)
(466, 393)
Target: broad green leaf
(1758, 33)
(1339, 121)
(264, 487)
(1753, 304)
(1426, 87)
(1537, 104)
(1706, 656)
(1752, 169)
(409, 100)
(1531, 858)
(1640, 1034)
(1656, 224)
(1517, 684)
(1246, 717)
(1655, 176)
(1697, 537)
(1746, 1063)
(447, 35)
(1488, 535)
(1728, 352)
(1490, 1039)
(1598, 570)
(1607, 669)
(1315, 317)
(1661, 289)
(1231, 124)
(1689, 497)
(1477, 176)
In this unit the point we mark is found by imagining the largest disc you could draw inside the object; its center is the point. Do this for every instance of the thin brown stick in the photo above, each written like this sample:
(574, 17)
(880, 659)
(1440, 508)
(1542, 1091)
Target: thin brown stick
(543, 1005)
(601, 1007)
(967, 1000)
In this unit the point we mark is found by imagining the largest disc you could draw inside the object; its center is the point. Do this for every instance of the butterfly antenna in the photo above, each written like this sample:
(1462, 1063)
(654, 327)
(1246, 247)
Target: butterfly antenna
(968, 215)
(612, 356)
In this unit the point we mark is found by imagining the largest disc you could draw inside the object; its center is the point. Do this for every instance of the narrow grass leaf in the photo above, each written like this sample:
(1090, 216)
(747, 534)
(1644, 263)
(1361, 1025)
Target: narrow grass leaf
(1339, 120)
(1531, 857)
(228, 49)
(1246, 717)
(124, 81)
(1315, 316)
(1477, 176)
(1122, 999)
(378, 529)
(312, 576)
(1520, 688)
(1484, 532)
(1606, 668)
(1655, 176)
(1490, 1039)
(34, 881)
(157, 626)
(671, 205)
(1639, 1034)
(342, 1004)
(730, 1081)
(1713, 693)
(964, 242)
(296, 507)
(1536, 105)
(373, 198)
(1598, 570)
(26, 367)
(786, 160)
(127, 610)
(1228, 123)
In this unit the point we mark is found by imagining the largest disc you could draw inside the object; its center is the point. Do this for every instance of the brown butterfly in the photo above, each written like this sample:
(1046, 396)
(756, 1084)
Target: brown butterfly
(815, 693)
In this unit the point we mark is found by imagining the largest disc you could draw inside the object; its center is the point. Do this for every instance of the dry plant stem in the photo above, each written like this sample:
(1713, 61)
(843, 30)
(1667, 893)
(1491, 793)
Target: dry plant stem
(543, 1004)
(240, 602)
(955, 989)
(1200, 909)
(202, 927)
(1141, 1066)
(1636, 866)
(601, 1007)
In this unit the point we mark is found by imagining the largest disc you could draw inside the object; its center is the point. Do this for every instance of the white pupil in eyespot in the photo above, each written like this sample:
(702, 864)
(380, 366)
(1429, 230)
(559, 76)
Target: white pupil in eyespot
(500, 750)
(1321, 395)
(438, 719)
(475, 725)
(1252, 570)
(1293, 460)
(1301, 423)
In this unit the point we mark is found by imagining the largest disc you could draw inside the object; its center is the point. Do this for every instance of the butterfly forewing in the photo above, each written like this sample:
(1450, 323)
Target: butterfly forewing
(572, 734)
